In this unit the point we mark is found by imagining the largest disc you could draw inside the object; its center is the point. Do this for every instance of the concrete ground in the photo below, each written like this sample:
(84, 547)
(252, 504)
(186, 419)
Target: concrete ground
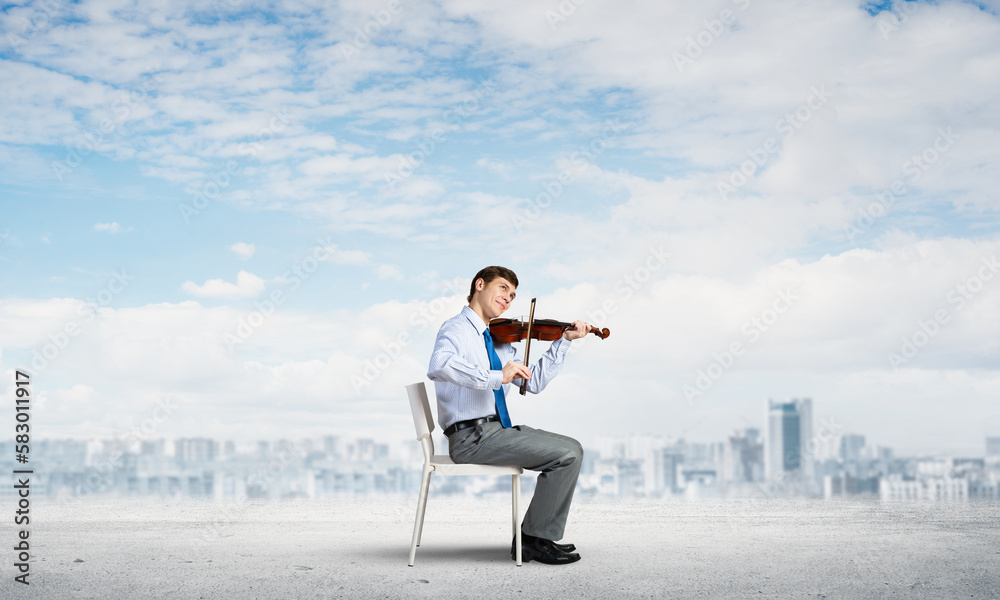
(358, 548)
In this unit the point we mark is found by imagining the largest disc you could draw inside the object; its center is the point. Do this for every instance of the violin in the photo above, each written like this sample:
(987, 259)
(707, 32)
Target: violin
(508, 331)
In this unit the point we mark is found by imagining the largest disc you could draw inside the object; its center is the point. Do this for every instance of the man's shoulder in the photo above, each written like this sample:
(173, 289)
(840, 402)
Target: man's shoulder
(457, 323)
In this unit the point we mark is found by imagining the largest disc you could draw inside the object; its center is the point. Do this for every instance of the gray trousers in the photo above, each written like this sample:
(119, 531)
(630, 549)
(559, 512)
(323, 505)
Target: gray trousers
(558, 457)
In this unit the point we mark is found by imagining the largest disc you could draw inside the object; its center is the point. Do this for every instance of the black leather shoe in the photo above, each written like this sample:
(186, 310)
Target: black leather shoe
(566, 548)
(544, 551)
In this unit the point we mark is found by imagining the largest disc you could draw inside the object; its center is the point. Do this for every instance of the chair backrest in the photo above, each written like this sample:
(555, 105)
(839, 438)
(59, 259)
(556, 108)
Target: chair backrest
(423, 420)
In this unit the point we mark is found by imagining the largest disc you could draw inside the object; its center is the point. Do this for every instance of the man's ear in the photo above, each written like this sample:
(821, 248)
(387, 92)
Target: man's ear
(480, 288)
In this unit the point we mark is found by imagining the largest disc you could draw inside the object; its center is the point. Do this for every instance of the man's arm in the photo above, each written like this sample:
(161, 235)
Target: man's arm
(547, 367)
(448, 364)
(551, 362)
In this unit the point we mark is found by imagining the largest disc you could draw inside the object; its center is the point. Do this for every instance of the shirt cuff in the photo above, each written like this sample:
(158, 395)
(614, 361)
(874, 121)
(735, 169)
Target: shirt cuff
(562, 347)
(496, 380)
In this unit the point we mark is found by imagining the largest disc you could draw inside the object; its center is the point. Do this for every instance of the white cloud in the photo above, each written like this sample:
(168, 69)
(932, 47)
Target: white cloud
(7, 239)
(847, 312)
(243, 250)
(389, 272)
(247, 285)
(366, 168)
(347, 257)
(360, 258)
(111, 228)
(497, 166)
(209, 104)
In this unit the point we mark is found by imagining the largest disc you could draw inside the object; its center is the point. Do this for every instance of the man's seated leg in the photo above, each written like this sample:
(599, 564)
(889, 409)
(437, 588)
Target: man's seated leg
(559, 459)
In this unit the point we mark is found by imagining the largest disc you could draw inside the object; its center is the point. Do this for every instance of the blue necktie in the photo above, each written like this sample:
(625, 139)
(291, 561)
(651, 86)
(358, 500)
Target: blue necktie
(497, 394)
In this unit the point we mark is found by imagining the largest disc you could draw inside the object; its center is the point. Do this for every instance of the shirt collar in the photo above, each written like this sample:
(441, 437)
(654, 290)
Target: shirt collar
(475, 319)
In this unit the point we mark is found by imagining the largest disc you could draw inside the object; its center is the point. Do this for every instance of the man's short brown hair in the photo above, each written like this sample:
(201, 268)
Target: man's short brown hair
(488, 274)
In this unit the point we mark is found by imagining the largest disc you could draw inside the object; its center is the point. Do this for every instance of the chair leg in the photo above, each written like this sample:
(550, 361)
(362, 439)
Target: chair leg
(516, 503)
(423, 507)
(513, 505)
(418, 523)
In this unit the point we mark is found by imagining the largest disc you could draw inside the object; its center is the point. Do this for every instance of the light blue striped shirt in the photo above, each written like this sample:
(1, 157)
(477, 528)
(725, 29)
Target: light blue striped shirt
(462, 375)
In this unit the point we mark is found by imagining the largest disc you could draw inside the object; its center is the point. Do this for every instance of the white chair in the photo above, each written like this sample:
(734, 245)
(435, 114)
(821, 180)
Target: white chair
(439, 463)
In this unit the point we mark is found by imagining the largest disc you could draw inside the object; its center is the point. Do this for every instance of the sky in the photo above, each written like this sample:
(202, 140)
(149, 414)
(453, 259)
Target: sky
(247, 220)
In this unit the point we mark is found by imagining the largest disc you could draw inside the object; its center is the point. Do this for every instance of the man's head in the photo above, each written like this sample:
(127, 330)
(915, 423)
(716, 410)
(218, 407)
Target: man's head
(492, 291)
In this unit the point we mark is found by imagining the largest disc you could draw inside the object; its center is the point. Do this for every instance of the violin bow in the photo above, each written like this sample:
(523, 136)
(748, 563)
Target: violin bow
(527, 346)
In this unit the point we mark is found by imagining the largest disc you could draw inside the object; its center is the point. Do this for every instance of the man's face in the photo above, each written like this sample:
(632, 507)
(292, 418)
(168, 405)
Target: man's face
(495, 297)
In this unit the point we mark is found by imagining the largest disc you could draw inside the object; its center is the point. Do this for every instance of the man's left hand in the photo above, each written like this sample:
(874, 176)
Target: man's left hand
(579, 329)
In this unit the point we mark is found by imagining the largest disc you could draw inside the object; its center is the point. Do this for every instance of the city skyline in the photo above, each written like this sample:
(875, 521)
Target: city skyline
(792, 456)
(837, 465)
(248, 220)
(788, 439)
(150, 428)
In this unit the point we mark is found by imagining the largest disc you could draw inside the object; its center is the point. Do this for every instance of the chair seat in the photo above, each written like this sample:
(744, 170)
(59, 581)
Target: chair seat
(443, 464)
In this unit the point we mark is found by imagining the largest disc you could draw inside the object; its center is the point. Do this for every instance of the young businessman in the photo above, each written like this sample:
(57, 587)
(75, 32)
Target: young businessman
(471, 394)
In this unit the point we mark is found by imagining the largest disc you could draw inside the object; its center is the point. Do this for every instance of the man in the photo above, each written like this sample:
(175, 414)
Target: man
(471, 393)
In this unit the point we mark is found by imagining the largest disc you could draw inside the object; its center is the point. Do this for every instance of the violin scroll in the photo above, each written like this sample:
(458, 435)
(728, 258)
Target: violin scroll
(601, 333)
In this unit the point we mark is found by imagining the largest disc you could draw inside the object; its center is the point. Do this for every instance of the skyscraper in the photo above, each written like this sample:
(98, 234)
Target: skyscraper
(196, 450)
(743, 457)
(787, 448)
(850, 447)
(993, 449)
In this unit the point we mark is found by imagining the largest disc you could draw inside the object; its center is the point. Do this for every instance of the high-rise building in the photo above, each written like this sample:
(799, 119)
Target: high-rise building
(743, 457)
(657, 459)
(671, 463)
(195, 450)
(850, 447)
(787, 442)
(993, 449)
(331, 445)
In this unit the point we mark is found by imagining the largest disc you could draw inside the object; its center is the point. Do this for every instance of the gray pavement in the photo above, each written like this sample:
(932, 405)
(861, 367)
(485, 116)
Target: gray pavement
(358, 547)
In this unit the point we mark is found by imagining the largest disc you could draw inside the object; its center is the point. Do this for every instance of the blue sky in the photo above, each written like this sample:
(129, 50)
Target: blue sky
(360, 161)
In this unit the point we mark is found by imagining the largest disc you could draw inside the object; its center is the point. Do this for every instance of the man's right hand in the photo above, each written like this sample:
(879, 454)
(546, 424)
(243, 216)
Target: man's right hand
(515, 370)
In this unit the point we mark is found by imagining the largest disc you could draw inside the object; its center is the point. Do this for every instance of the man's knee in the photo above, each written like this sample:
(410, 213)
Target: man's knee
(557, 452)
(572, 447)
(574, 453)
(577, 450)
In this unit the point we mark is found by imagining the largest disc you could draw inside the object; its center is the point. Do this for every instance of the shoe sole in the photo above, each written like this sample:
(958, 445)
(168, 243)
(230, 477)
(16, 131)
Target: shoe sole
(530, 556)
